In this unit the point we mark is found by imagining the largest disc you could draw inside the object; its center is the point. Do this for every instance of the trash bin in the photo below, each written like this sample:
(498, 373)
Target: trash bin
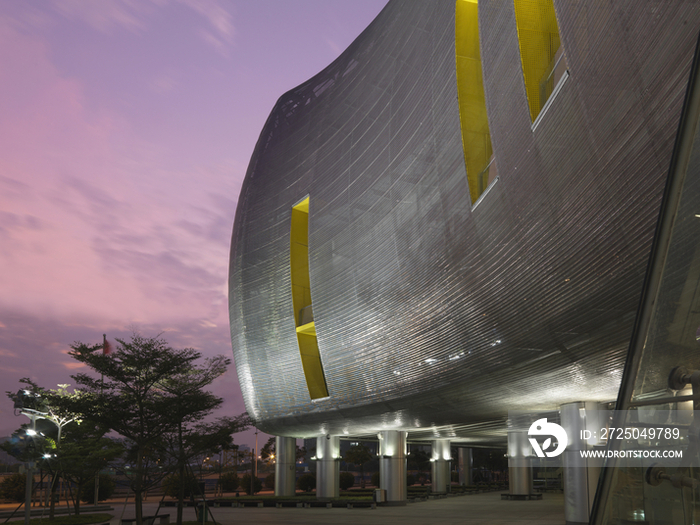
(379, 495)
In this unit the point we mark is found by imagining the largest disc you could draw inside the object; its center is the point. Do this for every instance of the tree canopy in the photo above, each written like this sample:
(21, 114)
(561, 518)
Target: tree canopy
(154, 396)
(358, 455)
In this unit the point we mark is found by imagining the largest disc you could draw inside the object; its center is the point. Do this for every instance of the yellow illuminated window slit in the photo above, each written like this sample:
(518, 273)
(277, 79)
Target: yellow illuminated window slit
(541, 53)
(476, 138)
(301, 300)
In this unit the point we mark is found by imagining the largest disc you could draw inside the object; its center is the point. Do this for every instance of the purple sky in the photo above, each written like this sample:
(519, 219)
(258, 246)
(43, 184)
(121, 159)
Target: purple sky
(126, 128)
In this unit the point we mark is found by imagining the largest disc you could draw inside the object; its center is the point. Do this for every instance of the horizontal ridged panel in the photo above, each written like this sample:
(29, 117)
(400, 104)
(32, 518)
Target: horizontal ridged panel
(412, 289)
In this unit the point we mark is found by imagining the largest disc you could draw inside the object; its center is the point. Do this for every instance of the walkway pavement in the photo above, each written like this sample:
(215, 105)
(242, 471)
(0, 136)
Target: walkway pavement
(476, 509)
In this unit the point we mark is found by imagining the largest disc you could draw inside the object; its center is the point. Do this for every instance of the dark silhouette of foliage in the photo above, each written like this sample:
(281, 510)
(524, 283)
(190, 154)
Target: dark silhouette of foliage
(306, 482)
(419, 460)
(229, 481)
(270, 481)
(153, 395)
(172, 483)
(104, 491)
(268, 449)
(347, 480)
(13, 487)
(245, 484)
(358, 455)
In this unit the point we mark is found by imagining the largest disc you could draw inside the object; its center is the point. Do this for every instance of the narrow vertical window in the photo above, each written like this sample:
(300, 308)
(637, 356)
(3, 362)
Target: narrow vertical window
(541, 53)
(476, 138)
(301, 300)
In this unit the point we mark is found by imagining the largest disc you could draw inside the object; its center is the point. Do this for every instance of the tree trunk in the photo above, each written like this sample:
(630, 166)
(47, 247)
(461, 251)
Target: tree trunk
(181, 493)
(138, 495)
(52, 505)
(77, 499)
(181, 473)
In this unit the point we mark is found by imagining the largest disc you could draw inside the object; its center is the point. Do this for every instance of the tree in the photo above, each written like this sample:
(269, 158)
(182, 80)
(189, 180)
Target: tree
(307, 482)
(42, 442)
(12, 487)
(190, 404)
(228, 482)
(358, 455)
(172, 485)
(419, 459)
(84, 452)
(152, 395)
(246, 481)
(106, 489)
(346, 481)
(267, 453)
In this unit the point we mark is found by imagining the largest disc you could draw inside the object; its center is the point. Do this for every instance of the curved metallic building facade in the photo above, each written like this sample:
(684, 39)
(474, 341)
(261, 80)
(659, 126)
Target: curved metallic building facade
(419, 307)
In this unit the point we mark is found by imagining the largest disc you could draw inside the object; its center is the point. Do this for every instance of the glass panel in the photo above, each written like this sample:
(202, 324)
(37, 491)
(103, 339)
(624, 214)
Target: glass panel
(301, 299)
(476, 138)
(659, 383)
(541, 53)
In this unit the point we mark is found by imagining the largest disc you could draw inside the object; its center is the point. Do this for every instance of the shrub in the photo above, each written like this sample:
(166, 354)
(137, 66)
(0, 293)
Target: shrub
(375, 479)
(229, 481)
(105, 491)
(410, 480)
(171, 485)
(12, 488)
(347, 480)
(270, 481)
(307, 482)
(245, 484)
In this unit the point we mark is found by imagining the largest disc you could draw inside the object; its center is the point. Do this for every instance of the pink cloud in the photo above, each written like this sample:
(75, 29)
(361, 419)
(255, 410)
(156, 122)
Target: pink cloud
(94, 226)
(73, 365)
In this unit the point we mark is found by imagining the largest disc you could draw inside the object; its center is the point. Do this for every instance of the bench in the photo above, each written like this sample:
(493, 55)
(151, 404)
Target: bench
(164, 519)
(250, 503)
(362, 505)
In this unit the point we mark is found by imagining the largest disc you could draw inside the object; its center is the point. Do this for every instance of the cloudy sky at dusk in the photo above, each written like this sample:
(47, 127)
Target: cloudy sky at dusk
(126, 127)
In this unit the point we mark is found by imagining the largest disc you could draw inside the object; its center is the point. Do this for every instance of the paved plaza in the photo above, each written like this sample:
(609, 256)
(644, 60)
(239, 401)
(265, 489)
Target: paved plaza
(477, 509)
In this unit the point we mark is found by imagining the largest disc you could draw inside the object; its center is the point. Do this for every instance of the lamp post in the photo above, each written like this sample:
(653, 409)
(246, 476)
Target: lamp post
(30, 475)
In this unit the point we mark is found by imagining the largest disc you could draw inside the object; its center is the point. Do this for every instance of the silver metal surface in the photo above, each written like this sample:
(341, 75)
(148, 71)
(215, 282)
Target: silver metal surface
(440, 465)
(392, 464)
(431, 317)
(519, 463)
(285, 466)
(327, 466)
(580, 475)
(465, 465)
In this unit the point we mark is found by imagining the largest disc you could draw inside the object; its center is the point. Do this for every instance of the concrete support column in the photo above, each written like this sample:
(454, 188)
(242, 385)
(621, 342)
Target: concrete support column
(519, 463)
(327, 466)
(465, 465)
(440, 462)
(285, 467)
(392, 465)
(580, 474)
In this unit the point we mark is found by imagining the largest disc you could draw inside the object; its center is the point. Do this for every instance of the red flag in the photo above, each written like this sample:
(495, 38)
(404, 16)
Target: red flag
(106, 347)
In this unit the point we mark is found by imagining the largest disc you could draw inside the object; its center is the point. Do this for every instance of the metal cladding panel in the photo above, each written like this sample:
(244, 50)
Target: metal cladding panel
(432, 316)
